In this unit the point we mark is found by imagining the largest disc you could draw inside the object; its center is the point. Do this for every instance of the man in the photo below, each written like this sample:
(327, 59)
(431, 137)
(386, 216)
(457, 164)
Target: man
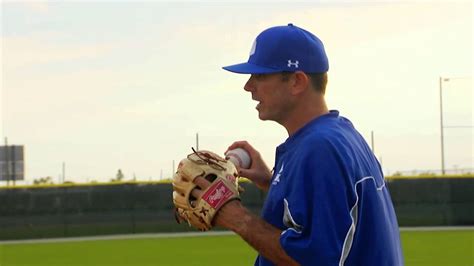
(327, 203)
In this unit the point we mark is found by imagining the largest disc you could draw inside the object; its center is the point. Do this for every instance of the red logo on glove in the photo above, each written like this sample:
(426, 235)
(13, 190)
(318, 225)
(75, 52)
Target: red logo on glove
(217, 194)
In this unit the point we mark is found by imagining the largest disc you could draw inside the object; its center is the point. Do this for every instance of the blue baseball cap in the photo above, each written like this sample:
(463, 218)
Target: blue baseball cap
(284, 49)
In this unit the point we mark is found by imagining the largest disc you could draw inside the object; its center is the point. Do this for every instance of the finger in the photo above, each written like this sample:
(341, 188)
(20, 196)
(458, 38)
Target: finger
(202, 183)
(196, 193)
(244, 145)
(248, 173)
(238, 144)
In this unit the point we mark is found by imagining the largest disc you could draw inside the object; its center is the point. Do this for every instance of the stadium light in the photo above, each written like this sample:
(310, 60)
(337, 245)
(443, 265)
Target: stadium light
(441, 80)
(441, 120)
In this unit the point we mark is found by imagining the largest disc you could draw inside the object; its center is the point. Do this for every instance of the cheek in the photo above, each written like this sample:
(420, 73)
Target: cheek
(280, 94)
(282, 99)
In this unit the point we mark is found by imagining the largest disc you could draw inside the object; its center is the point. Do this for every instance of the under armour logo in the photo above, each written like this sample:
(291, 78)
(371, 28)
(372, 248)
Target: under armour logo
(295, 64)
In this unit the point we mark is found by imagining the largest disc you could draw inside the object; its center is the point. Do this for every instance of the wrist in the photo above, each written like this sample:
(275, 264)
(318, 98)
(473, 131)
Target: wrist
(226, 216)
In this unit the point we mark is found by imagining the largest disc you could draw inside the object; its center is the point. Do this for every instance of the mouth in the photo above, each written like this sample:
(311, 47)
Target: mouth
(259, 103)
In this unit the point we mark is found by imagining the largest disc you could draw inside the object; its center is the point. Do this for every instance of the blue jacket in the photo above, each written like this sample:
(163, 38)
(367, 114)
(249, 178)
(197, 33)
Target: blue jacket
(329, 197)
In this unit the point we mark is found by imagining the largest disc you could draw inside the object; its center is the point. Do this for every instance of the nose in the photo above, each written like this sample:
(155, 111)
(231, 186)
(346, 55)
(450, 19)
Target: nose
(249, 85)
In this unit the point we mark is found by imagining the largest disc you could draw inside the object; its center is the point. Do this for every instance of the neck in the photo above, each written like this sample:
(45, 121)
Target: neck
(307, 110)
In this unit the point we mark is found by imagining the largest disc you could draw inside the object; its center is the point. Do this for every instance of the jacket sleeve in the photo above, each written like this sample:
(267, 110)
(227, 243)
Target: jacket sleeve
(317, 208)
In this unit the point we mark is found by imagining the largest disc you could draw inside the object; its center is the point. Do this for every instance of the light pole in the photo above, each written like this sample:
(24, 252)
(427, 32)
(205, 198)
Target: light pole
(441, 121)
(442, 127)
(197, 141)
(372, 141)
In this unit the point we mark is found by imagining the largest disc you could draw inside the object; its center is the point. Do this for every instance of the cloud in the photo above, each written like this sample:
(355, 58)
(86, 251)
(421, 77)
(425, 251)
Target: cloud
(37, 49)
(38, 6)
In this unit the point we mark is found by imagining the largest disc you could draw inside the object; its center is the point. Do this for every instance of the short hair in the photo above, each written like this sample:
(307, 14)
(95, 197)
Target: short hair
(318, 80)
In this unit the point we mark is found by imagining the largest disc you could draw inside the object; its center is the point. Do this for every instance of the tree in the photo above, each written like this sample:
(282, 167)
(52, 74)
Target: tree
(119, 176)
(43, 180)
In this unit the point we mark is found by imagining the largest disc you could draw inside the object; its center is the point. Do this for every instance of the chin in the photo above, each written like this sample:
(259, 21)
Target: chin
(263, 117)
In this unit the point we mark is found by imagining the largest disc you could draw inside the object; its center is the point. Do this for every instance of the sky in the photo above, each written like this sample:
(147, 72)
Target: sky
(111, 85)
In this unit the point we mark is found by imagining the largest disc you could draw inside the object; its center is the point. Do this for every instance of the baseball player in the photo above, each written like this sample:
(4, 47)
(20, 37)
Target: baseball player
(327, 202)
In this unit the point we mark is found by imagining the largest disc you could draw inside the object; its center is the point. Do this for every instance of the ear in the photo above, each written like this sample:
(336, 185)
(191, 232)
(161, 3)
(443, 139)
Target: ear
(299, 82)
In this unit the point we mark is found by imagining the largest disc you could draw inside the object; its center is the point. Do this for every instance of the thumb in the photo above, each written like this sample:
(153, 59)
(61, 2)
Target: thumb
(261, 181)
(246, 173)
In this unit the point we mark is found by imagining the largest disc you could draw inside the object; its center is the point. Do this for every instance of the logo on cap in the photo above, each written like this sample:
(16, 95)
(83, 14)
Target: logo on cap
(295, 64)
(252, 51)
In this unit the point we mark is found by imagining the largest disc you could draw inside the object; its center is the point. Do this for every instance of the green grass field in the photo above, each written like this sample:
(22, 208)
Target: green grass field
(421, 248)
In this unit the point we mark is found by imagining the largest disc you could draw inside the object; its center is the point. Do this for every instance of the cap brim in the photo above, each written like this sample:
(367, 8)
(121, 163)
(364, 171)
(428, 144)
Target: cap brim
(247, 68)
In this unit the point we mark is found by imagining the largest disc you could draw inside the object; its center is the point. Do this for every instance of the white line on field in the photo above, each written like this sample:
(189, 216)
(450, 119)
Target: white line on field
(192, 234)
(115, 237)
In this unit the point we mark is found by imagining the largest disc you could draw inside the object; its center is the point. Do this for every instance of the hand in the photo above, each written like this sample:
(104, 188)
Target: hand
(227, 214)
(202, 184)
(258, 172)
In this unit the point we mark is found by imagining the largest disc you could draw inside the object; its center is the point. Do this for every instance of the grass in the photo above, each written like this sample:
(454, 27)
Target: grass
(188, 251)
(433, 248)
(438, 248)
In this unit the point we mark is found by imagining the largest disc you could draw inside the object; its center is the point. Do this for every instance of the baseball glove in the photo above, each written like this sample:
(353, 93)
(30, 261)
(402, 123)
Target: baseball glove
(199, 212)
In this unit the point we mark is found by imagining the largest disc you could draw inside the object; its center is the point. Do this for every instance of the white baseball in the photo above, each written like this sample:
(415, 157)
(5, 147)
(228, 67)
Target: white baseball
(239, 157)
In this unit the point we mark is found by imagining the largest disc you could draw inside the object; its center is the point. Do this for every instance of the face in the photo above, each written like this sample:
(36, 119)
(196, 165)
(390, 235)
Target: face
(273, 96)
